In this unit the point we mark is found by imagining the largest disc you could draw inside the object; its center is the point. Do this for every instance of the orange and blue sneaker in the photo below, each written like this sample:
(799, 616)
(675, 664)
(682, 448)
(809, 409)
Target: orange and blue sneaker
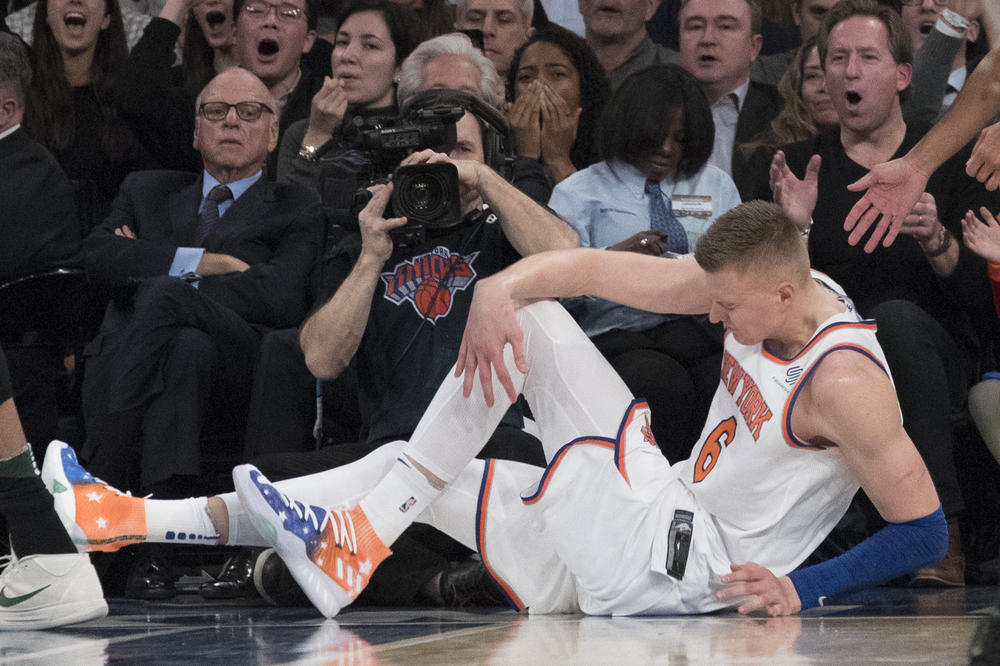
(97, 516)
(330, 553)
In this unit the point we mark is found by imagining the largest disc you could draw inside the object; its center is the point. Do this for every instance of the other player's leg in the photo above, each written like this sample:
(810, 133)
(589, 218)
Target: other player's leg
(45, 582)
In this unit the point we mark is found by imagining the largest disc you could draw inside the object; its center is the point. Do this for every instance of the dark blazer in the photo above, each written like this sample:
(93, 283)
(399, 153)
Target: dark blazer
(761, 105)
(38, 223)
(275, 227)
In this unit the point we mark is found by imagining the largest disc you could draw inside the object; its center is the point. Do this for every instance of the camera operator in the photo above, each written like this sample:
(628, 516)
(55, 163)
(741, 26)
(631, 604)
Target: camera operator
(402, 311)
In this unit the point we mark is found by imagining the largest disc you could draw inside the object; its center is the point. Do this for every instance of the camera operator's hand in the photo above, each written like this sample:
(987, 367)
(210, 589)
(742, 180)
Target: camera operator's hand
(329, 105)
(375, 239)
(470, 173)
(468, 170)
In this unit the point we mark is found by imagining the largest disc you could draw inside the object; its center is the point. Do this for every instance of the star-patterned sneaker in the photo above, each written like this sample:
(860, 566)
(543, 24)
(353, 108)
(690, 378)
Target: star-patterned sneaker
(97, 516)
(44, 591)
(331, 554)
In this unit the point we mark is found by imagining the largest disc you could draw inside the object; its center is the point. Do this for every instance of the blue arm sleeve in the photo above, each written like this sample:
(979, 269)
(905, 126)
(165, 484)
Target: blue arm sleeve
(896, 549)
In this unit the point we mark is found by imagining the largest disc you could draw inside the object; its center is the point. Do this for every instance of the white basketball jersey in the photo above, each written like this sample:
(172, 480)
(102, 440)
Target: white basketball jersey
(773, 497)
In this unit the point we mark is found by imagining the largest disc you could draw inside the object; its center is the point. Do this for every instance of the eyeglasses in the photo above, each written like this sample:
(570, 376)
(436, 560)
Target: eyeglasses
(939, 3)
(284, 11)
(216, 111)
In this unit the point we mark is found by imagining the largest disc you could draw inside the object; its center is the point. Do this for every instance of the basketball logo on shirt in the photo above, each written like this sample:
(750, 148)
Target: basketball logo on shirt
(429, 281)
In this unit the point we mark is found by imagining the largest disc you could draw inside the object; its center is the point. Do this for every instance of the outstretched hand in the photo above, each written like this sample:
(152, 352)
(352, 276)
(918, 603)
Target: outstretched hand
(982, 236)
(775, 595)
(893, 189)
(796, 197)
(491, 326)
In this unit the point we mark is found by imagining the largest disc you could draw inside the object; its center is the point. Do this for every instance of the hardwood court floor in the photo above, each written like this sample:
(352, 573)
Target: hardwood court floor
(886, 625)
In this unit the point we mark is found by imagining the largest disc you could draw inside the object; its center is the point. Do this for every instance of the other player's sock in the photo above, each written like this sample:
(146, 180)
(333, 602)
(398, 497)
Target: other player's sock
(397, 500)
(180, 521)
(34, 526)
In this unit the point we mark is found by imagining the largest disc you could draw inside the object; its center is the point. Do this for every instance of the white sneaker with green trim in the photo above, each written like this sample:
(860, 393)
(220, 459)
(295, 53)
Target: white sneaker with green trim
(44, 591)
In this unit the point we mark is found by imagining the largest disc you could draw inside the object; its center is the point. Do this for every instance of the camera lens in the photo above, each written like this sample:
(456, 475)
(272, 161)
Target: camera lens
(426, 194)
(423, 194)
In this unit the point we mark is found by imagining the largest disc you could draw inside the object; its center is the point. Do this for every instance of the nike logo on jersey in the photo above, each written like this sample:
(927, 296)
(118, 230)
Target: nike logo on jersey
(8, 602)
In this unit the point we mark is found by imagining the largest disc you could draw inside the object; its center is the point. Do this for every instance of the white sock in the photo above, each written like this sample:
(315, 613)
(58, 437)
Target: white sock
(338, 487)
(182, 521)
(397, 500)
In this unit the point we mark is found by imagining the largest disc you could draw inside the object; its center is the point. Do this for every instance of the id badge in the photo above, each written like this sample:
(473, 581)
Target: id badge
(692, 205)
(679, 542)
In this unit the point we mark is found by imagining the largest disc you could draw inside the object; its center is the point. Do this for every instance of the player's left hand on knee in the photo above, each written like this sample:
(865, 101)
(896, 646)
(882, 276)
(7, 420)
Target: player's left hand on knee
(762, 589)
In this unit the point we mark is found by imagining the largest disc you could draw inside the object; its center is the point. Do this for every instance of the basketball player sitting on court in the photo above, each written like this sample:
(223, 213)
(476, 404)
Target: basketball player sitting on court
(805, 412)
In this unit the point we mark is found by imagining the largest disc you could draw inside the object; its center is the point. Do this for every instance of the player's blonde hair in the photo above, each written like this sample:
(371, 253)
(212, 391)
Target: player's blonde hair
(757, 236)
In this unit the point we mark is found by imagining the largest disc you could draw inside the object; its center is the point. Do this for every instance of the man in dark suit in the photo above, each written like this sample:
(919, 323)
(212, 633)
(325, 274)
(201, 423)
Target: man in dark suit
(219, 259)
(719, 42)
(38, 231)
(38, 225)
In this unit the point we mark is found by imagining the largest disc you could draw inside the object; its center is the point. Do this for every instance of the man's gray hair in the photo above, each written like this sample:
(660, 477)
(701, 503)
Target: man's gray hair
(525, 7)
(15, 67)
(411, 73)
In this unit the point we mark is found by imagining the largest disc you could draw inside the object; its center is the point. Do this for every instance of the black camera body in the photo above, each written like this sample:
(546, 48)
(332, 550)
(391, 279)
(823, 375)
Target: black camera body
(427, 195)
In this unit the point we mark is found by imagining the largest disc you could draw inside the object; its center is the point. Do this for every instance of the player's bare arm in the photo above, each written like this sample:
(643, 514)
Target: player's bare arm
(850, 403)
(649, 283)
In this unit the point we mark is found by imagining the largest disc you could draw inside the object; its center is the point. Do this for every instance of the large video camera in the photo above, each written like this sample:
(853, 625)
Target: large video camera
(426, 194)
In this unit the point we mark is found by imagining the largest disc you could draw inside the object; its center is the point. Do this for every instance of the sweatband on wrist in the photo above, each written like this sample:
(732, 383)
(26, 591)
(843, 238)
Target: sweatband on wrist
(896, 549)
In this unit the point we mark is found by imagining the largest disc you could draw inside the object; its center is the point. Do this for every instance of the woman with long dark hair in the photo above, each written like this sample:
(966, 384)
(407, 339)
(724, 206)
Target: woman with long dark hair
(78, 52)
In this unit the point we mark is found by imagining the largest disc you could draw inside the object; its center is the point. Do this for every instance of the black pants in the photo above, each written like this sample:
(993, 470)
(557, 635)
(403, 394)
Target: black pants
(928, 369)
(675, 367)
(283, 400)
(175, 359)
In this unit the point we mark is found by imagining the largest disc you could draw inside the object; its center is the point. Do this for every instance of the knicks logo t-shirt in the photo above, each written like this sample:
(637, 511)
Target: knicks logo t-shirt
(417, 319)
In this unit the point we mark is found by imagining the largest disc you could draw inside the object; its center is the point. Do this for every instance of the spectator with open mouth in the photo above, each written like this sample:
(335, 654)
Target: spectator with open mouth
(271, 39)
(959, 21)
(926, 290)
(157, 94)
(79, 52)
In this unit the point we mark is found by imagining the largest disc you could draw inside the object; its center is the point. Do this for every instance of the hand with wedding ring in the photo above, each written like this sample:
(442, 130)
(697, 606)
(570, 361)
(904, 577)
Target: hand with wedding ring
(651, 242)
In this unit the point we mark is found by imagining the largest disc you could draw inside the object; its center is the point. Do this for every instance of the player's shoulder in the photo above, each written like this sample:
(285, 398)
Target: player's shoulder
(846, 377)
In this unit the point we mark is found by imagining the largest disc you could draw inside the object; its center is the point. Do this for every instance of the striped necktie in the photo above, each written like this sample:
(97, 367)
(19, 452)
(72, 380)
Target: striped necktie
(210, 212)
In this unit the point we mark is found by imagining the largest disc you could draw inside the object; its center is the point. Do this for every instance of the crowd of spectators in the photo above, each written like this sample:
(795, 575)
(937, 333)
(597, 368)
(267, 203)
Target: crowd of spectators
(221, 170)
